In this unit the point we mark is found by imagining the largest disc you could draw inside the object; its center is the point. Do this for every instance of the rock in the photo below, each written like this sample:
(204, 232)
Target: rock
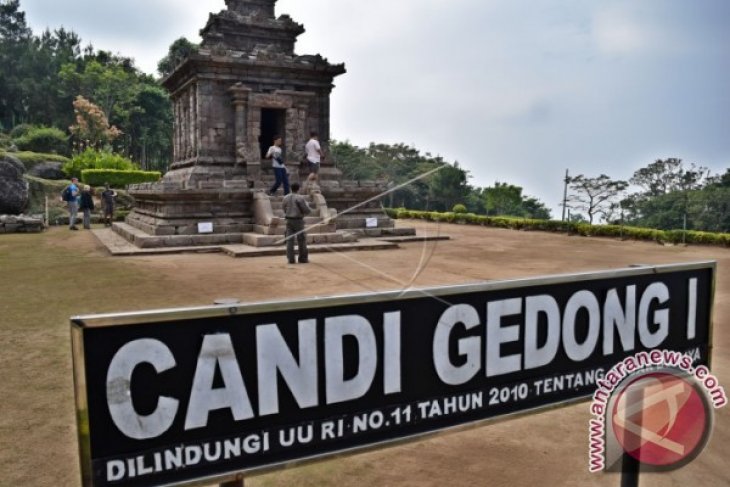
(13, 188)
(48, 170)
(13, 161)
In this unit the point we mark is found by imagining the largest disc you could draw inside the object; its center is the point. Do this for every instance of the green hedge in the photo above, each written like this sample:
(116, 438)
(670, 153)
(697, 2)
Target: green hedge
(584, 229)
(93, 159)
(117, 178)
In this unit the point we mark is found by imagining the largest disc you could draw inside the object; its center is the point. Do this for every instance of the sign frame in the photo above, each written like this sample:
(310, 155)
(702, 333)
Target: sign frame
(81, 322)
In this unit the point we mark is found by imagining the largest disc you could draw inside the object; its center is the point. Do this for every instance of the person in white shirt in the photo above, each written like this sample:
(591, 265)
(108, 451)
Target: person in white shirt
(314, 157)
(275, 154)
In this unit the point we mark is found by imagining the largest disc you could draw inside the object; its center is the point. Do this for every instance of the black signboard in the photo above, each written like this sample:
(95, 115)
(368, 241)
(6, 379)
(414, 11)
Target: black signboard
(182, 396)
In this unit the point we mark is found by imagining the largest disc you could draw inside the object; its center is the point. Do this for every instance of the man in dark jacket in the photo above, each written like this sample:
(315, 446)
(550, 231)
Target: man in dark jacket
(295, 209)
(86, 205)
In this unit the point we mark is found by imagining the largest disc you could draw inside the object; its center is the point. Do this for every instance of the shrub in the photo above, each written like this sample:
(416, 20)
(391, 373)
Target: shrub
(93, 159)
(5, 141)
(117, 178)
(459, 208)
(20, 130)
(584, 229)
(43, 139)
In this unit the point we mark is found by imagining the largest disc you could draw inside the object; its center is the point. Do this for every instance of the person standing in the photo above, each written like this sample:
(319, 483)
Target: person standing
(275, 154)
(295, 209)
(107, 199)
(71, 196)
(314, 157)
(86, 205)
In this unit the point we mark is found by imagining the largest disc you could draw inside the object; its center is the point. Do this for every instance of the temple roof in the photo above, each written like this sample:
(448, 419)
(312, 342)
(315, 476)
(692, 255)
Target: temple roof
(248, 25)
(264, 8)
(249, 35)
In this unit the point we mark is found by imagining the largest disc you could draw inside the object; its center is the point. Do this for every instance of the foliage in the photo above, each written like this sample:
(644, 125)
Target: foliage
(575, 228)
(21, 130)
(176, 54)
(673, 196)
(93, 159)
(92, 127)
(15, 38)
(448, 186)
(459, 208)
(30, 159)
(665, 176)
(507, 199)
(401, 163)
(597, 196)
(45, 140)
(150, 127)
(42, 75)
(118, 179)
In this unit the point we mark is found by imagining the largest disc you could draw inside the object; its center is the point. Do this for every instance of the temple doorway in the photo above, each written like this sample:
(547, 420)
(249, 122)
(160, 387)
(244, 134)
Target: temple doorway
(273, 122)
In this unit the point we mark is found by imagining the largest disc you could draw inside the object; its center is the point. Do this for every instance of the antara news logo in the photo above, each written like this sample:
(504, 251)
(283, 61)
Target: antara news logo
(656, 407)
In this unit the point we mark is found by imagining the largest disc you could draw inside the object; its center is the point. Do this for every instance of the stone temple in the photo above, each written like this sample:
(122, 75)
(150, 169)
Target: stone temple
(244, 85)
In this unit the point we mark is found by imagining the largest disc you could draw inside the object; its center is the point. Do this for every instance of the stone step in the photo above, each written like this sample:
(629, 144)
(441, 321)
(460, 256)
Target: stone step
(277, 229)
(279, 198)
(258, 240)
(144, 240)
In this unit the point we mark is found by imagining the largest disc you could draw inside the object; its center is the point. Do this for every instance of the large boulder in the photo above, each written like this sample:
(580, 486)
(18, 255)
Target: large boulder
(13, 188)
(48, 170)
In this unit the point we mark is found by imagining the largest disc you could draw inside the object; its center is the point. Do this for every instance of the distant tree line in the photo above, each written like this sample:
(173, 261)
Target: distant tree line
(441, 191)
(42, 75)
(670, 196)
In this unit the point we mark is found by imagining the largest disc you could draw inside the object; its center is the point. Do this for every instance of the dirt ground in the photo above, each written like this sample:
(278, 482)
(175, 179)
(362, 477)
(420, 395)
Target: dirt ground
(47, 278)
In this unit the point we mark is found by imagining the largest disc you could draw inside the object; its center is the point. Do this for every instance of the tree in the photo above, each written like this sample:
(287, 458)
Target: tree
(354, 162)
(665, 176)
(595, 195)
(503, 199)
(92, 127)
(45, 103)
(149, 128)
(535, 208)
(675, 196)
(15, 40)
(178, 52)
(508, 200)
(110, 85)
(449, 187)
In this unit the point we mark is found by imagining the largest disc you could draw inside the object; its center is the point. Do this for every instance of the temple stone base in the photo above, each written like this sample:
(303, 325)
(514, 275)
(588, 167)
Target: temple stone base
(208, 210)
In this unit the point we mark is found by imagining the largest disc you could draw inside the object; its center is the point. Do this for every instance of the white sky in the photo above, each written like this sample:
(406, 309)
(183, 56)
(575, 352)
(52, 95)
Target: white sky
(514, 90)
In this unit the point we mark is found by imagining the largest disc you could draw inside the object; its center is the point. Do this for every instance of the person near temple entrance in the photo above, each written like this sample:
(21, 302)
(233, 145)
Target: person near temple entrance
(314, 157)
(295, 209)
(275, 154)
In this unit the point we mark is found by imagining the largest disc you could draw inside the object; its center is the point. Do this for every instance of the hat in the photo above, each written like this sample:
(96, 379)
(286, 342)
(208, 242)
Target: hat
(74, 179)
(87, 188)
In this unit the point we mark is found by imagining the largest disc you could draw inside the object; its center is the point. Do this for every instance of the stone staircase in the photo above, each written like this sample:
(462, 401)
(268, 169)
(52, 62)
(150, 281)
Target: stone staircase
(270, 224)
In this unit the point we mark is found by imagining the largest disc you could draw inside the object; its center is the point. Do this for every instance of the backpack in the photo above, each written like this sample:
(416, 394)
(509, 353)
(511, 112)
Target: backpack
(67, 194)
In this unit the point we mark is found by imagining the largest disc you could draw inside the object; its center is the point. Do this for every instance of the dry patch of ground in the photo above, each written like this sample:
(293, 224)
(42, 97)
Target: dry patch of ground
(48, 278)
